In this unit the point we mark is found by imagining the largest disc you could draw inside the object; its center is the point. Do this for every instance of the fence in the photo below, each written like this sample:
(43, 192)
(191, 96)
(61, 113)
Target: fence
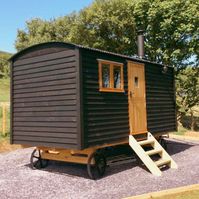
(4, 118)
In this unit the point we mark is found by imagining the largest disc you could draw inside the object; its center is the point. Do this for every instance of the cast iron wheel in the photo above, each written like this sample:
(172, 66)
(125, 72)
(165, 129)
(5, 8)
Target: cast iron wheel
(36, 161)
(163, 143)
(97, 170)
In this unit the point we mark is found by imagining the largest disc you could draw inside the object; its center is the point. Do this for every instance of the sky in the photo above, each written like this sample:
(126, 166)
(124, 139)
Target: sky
(14, 14)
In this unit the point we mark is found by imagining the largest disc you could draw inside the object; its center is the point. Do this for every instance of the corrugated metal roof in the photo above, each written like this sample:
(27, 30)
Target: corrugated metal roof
(83, 47)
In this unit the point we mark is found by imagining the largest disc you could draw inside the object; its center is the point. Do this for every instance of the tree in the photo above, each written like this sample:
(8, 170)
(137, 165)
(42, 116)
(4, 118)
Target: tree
(107, 25)
(39, 31)
(4, 65)
(187, 90)
(171, 29)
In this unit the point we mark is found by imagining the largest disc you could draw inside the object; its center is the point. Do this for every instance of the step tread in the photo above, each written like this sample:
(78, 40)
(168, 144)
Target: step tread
(145, 142)
(162, 162)
(154, 151)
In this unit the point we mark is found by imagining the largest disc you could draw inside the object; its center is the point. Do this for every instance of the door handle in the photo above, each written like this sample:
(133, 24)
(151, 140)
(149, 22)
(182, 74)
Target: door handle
(131, 93)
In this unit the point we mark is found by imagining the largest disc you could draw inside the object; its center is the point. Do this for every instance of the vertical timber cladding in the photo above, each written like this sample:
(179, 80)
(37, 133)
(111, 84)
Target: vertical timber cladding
(44, 97)
(160, 99)
(105, 113)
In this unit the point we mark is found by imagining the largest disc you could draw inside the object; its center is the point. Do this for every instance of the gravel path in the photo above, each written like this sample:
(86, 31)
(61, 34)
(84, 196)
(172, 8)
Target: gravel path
(67, 181)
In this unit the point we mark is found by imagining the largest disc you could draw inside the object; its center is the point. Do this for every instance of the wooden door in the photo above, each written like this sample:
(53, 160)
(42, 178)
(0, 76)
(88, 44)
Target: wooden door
(137, 98)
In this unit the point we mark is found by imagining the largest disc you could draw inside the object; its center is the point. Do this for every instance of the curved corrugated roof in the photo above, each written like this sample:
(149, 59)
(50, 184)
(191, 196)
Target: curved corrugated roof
(82, 47)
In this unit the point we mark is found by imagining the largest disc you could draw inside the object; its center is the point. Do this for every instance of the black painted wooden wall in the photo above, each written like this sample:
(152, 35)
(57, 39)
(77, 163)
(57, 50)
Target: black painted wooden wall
(55, 98)
(106, 114)
(44, 97)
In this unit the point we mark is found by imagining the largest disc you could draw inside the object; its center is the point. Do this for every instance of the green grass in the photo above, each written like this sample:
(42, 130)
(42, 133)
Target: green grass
(7, 121)
(181, 131)
(184, 195)
(5, 97)
(4, 90)
(4, 138)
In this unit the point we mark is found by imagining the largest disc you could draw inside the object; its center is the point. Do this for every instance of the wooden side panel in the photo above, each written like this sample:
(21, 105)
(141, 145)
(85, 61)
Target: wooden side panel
(105, 113)
(160, 99)
(44, 98)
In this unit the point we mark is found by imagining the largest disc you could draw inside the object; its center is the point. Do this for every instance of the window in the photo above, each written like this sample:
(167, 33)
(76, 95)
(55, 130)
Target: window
(111, 76)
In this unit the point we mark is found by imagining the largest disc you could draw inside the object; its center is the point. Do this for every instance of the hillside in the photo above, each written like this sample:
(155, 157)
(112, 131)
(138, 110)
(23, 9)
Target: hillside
(4, 53)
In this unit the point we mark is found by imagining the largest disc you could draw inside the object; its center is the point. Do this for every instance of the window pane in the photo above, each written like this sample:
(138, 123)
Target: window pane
(105, 75)
(136, 82)
(117, 76)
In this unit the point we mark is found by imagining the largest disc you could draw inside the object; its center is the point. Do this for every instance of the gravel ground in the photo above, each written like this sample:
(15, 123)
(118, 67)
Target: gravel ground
(61, 180)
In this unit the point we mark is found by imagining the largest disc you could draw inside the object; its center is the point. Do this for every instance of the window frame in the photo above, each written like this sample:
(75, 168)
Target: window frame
(111, 78)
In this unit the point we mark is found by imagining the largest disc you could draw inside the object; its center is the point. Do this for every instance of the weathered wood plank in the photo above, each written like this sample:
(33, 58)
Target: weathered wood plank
(46, 124)
(45, 88)
(46, 93)
(45, 83)
(46, 134)
(45, 114)
(45, 119)
(43, 58)
(47, 144)
(45, 139)
(47, 108)
(46, 78)
(44, 67)
(43, 104)
(44, 98)
(45, 73)
(45, 129)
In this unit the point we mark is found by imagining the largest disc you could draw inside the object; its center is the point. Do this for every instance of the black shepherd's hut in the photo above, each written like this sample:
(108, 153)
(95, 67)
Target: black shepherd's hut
(74, 97)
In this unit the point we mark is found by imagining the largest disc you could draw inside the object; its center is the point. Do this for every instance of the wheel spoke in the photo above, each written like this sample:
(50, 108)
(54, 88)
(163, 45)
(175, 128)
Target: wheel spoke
(36, 161)
(36, 164)
(97, 170)
(35, 156)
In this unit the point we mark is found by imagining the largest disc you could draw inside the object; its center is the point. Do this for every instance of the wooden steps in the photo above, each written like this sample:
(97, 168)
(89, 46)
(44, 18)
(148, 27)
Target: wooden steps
(146, 156)
(162, 162)
(146, 142)
(154, 151)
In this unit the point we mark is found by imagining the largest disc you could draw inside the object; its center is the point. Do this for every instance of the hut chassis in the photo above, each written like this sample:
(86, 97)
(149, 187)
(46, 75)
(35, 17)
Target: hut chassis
(82, 153)
(93, 157)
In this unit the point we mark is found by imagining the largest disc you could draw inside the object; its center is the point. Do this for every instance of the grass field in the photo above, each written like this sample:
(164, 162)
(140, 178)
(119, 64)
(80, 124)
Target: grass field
(185, 195)
(188, 192)
(4, 90)
(7, 121)
(5, 97)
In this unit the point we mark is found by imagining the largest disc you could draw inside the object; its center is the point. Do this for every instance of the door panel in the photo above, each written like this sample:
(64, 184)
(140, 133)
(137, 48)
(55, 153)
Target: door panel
(137, 98)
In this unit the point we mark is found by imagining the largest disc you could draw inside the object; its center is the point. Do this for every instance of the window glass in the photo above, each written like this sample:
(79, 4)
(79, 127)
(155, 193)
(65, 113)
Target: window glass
(105, 75)
(111, 76)
(136, 82)
(117, 76)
